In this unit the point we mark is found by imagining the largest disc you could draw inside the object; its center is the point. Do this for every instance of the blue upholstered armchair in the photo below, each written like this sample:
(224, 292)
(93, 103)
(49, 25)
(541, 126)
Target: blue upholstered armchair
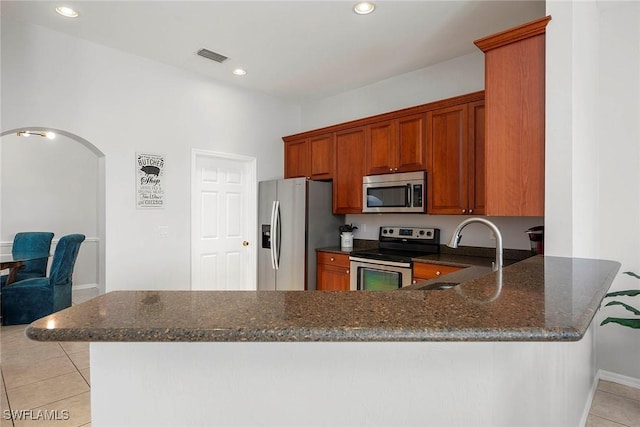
(31, 299)
(31, 242)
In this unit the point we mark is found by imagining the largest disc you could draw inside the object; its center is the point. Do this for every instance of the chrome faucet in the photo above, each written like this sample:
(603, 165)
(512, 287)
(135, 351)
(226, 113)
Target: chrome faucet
(455, 238)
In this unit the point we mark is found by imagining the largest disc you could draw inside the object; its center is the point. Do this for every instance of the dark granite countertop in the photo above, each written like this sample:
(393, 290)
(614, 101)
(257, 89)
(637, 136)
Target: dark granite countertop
(539, 299)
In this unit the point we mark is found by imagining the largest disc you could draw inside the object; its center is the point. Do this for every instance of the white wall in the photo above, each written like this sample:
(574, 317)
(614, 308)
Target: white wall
(51, 185)
(458, 76)
(593, 151)
(619, 174)
(122, 104)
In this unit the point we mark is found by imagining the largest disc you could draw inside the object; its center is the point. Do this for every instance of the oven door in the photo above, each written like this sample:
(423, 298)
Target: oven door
(375, 275)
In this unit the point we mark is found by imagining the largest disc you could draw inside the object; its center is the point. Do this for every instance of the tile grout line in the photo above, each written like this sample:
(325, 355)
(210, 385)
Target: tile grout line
(621, 395)
(4, 386)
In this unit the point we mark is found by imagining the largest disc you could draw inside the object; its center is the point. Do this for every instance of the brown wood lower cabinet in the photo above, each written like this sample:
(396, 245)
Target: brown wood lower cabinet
(423, 271)
(333, 272)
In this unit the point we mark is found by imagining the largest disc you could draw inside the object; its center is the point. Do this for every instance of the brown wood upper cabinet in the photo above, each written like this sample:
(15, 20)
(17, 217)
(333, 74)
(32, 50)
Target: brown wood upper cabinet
(455, 181)
(348, 170)
(309, 157)
(397, 145)
(515, 125)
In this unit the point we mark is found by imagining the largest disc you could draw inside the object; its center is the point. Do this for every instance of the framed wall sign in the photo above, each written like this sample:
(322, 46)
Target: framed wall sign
(149, 180)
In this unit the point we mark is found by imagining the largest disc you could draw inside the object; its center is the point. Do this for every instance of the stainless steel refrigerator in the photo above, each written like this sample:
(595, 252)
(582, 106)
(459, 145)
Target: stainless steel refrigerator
(295, 217)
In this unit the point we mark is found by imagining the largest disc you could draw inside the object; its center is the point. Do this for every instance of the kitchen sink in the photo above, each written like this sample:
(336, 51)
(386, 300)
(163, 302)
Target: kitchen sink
(438, 286)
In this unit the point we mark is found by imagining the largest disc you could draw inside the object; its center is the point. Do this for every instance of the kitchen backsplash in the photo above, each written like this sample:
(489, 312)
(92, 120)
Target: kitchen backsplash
(477, 235)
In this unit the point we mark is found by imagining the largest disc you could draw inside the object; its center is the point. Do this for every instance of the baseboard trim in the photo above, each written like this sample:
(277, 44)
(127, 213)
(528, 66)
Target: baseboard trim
(605, 376)
(587, 406)
(85, 286)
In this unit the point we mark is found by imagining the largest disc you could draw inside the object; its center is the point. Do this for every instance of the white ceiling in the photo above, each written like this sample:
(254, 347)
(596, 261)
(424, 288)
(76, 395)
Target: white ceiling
(297, 50)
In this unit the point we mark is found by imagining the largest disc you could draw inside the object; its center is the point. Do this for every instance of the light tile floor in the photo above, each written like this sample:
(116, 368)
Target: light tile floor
(43, 383)
(615, 405)
(52, 379)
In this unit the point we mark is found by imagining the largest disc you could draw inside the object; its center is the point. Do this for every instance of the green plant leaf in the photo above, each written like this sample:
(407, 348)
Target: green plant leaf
(631, 273)
(627, 306)
(631, 323)
(628, 293)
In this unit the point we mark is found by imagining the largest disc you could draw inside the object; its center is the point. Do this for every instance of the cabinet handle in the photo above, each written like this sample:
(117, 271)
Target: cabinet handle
(347, 271)
(332, 259)
(438, 273)
(464, 211)
(470, 210)
(395, 169)
(414, 281)
(390, 169)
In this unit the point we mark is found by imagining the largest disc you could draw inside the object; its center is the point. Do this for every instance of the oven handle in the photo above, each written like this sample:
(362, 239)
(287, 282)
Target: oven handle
(380, 262)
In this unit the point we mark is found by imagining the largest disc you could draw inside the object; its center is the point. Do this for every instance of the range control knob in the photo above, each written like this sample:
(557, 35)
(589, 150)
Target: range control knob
(421, 232)
(391, 231)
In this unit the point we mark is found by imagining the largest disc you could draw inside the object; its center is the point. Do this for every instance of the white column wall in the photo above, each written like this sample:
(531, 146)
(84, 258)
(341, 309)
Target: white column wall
(593, 151)
(619, 176)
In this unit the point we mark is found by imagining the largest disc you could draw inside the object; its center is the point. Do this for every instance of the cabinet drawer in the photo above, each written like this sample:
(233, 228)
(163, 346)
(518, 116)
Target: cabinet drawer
(330, 258)
(431, 271)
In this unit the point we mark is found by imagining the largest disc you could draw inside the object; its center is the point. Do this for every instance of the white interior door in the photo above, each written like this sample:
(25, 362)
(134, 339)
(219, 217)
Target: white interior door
(223, 222)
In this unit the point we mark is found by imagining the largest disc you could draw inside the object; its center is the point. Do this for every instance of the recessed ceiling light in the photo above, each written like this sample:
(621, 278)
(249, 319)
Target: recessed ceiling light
(66, 11)
(364, 7)
(239, 72)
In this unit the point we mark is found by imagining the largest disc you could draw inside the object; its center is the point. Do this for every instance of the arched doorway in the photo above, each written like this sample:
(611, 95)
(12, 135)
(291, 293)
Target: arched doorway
(55, 185)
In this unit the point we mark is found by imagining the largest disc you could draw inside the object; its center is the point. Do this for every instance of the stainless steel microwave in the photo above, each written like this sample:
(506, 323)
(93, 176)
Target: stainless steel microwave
(396, 192)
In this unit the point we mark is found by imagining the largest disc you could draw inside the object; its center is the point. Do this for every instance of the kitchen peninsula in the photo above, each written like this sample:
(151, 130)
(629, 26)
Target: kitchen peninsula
(347, 358)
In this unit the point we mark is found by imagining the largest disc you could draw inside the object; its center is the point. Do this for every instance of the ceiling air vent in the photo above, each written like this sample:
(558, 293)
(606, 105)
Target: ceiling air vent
(212, 55)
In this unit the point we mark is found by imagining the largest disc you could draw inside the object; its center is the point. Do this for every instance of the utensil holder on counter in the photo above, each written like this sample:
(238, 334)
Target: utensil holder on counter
(346, 240)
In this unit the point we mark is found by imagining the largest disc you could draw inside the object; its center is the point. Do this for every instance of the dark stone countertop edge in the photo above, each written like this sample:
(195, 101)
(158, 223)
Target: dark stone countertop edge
(304, 335)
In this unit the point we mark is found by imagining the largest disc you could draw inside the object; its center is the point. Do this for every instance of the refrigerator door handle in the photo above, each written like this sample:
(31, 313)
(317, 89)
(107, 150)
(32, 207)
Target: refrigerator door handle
(272, 230)
(276, 236)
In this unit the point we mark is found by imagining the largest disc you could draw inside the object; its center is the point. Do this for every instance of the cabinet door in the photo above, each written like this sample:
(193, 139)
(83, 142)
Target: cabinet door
(321, 148)
(411, 147)
(447, 171)
(333, 278)
(422, 271)
(296, 159)
(515, 119)
(333, 272)
(381, 150)
(476, 158)
(348, 171)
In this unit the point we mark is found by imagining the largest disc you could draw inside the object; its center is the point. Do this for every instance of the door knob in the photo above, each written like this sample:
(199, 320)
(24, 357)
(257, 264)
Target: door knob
(245, 243)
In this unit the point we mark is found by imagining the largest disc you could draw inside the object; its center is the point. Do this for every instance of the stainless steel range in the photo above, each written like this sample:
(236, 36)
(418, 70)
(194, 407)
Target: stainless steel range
(390, 266)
